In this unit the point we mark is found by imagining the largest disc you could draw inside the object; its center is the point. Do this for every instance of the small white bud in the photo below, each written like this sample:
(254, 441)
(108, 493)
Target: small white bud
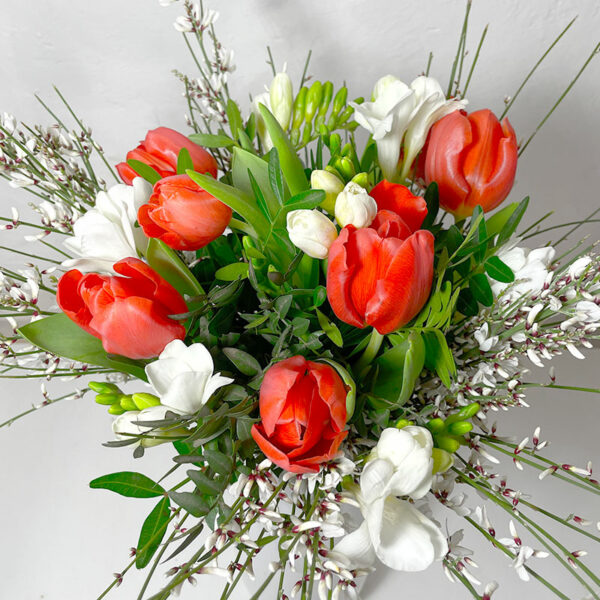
(281, 97)
(311, 231)
(330, 184)
(355, 207)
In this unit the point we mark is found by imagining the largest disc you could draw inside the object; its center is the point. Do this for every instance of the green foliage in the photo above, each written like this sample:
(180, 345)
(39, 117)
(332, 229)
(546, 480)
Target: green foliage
(145, 171)
(130, 484)
(152, 533)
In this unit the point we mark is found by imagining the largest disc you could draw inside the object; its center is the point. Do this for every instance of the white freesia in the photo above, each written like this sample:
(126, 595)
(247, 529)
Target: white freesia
(106, 233)
(394, 530)
(183, 377)
(531, 269)
(311, 231)
(330, 184)
(430, 106)
(279, 100)
(126, 426)
(387, 118)
(354, 206)
(261, 128)
(403, 112)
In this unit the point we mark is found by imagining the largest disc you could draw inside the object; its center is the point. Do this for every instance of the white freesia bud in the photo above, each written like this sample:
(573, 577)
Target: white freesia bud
(311, 231)
(263, 134)
(330, 184)
(281, 97)
(126, 426)
(355, 207)
(106, 233)
(183, 377)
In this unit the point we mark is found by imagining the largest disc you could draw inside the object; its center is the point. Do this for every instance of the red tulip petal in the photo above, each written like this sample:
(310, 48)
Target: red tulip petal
(126, 173)
(276, 384)
(389, 224)
(70, 302)
(339, 277)
(405, 276)
(332, 391)
(450, 136)
(321, 453)
(400, 200)
(318, 418)
(135, 328)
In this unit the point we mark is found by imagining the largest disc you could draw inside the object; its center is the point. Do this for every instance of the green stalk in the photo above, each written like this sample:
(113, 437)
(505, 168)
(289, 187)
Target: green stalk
(370, 352)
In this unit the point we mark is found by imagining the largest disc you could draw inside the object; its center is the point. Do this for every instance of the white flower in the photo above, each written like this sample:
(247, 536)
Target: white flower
(578, 267)
(354, 206)
(183, 377)
(531, 269)
(330, 184)
(261, 128)
(485, 341)
(430, 106)
(311, 231)
(125, 426)
(387, 118)
(106, 234)
(281, 98)
(394, 530)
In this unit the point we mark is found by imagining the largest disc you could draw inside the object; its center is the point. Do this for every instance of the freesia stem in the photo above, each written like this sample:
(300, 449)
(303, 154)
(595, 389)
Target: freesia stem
(370, 351)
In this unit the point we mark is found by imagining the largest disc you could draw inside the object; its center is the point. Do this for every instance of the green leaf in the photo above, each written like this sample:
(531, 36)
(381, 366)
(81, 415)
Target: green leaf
(145, 171)
(205, 485)
(245, 363)
(61, 336)
(244, 162)
(260, 197)
(128, 483)
(184, 161)
(291, 165)
(152, 533)
(166, 262)
(432, 198)
(305, 200)
(192, 503)
(498, 270)
(466, 303)
(235, 199)
(482, 236)
(413, 365)
(212, 141)
(275, 175)
(234, 117)
(217, 461)
(512, 222)
(331, 330)
(438, 356)
(283, 305)
(496, 222)
(232, 272)
(481, 289)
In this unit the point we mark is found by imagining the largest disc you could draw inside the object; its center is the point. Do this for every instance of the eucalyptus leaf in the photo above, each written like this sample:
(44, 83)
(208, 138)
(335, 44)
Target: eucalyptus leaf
(217, 461)
(205, 484)
(128, 483)
(192, 503)
(244, 362)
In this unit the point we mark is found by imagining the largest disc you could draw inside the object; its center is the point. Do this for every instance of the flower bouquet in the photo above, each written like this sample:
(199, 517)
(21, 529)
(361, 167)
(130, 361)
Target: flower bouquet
(317, 305)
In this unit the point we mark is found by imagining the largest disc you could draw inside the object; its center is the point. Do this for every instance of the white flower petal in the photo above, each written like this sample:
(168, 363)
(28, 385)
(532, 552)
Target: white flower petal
(356, 549)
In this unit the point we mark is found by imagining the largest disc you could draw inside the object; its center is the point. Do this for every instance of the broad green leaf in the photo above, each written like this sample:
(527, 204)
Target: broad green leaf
(438, 356)
(217, 461)
(275, 175)
(205, 485)
(496, 222)
(238, 270)
(192, 503)
(152, 533)
(244, 162)
(305, 200)
(144, 170)
(245, 363)
(498, 270)
(61, 336)
(413, 365)
(184, 161)
(512, 222)
(291, 165)
(234, 117)
(166, 262)
(212, 141)
(481, 289)
(260, 197)
(128, 483)
(466, 303)
(236, 199)
(331, 330)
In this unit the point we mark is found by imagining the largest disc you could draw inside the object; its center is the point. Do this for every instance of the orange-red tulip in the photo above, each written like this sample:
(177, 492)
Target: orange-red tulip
(382, 275)
(182, 214)
(129, 313)
(473, 159)
(160, 150)
(303, 414)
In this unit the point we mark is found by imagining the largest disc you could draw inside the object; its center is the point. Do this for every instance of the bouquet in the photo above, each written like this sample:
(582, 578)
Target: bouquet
(318, 303)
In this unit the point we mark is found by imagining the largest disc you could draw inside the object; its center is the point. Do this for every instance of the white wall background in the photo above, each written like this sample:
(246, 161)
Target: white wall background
(112, 59)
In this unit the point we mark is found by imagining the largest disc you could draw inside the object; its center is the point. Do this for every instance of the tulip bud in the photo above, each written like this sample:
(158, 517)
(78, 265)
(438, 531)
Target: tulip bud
(281, 98)
(330, 184)
(355, 207)
(311, 231)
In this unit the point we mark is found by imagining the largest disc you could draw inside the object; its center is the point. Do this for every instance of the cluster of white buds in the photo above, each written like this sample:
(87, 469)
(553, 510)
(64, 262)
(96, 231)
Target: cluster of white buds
(195, 19)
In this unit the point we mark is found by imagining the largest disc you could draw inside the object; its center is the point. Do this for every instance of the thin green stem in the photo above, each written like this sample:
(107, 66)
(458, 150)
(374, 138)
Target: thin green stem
(461, 40)
(475, 59)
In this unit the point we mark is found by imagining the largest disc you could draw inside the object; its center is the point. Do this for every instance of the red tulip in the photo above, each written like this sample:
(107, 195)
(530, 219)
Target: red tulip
(160, 150)
(400, 200)
(303, 414)
(130, 314)
(473, 159)
(182, 214)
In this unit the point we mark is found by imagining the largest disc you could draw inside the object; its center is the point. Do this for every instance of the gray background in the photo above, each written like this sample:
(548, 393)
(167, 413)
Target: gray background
(112, 59)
